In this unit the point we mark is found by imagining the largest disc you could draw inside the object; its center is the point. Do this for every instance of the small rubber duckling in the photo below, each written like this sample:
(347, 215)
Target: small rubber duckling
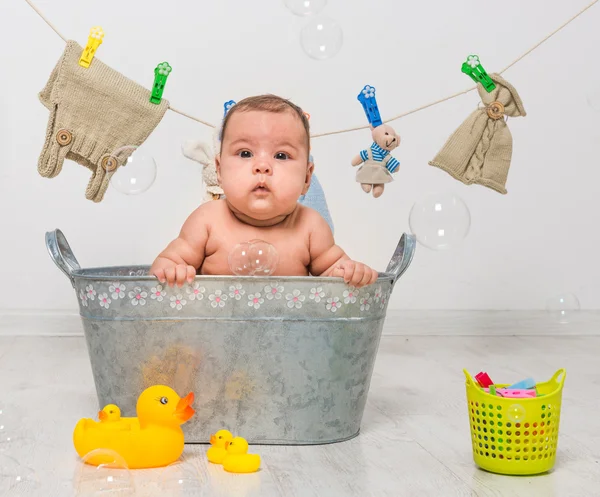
(153, 439)
(238, 460)
(217, 452)
(109, 414)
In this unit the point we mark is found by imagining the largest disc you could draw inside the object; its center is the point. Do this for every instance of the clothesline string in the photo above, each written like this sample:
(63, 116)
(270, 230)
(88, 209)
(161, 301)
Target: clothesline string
(399, 116)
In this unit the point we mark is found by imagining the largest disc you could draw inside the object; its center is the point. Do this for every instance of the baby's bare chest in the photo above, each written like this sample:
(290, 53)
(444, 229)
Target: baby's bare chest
(290, 245)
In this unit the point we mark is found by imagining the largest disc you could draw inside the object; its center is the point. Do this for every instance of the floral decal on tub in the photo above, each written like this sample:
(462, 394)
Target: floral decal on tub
(236, 291)
(137, 296)
(273, 291)
(195, 291)
(255, 300)
(104, 300)
(177, 302)
(217, 299)
(316, 294)
(83, 297)
(90, 292)
(157, 293)
(117, 290)
(333, 304)
(271, 297)
(295, 299)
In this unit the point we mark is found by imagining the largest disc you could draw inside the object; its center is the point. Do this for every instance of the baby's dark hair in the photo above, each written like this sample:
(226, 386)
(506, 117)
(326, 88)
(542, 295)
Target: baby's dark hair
(268, 103)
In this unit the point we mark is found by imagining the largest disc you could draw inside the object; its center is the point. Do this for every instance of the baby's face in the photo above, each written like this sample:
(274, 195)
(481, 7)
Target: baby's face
(263, 165)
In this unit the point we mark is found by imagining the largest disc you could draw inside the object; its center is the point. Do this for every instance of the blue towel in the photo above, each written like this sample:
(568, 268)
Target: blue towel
(315, 198)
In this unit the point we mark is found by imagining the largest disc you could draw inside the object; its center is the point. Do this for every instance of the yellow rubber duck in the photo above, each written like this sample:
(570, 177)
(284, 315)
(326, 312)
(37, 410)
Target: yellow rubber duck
(153, 439)
(237, 459)
(217, 452)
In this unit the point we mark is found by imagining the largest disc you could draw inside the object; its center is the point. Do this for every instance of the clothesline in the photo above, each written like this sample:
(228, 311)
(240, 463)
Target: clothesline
(399, 116)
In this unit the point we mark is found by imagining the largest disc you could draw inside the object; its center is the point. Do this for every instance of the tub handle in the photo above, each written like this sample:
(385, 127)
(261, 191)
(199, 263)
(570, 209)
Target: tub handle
(61, 253)
(402, 257)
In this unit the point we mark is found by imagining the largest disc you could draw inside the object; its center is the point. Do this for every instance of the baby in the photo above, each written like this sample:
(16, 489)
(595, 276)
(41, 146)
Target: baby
(263, 168)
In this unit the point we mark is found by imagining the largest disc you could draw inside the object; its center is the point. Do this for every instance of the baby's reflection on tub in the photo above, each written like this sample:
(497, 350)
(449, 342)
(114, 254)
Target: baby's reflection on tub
(176, 368)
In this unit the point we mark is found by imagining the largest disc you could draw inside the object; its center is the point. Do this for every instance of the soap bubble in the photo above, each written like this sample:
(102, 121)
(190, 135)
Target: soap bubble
(593, 100)
(253, 258)
(321, 38)
(440, 221)
(516, 413)
(104, 472)
(305, 7)
(137, 174)
(16, 479)
(181, 478)
(563, 307)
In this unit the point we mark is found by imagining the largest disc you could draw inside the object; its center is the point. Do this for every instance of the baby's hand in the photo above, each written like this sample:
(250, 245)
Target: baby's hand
(355, 273)
(174, 273)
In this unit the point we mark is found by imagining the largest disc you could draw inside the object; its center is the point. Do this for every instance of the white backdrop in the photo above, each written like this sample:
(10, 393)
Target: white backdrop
(539, 240)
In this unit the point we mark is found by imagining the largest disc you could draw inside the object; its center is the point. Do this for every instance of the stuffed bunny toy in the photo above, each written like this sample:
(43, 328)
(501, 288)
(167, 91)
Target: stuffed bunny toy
(377, 163)
(205, 154)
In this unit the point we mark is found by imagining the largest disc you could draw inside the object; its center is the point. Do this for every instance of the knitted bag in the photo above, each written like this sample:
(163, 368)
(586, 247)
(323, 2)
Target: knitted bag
(93, 113)
(480, 150)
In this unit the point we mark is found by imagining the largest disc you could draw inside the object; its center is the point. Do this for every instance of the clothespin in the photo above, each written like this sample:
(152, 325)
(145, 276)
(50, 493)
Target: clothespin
(472, 67)
(94, 41)
(483, 379)
(492, 390)
(228, 105)
(161, 73)
(367, 98)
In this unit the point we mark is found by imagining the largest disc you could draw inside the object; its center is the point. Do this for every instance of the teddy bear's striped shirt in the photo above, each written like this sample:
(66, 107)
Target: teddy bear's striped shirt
(378, 155)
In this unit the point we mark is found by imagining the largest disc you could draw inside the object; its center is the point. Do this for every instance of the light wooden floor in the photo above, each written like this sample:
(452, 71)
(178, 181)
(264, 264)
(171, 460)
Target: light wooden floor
(414, 442)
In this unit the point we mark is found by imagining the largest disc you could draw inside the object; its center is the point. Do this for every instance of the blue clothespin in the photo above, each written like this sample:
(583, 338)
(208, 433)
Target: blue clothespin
(525, 384)
(228, 105)
(367, 98)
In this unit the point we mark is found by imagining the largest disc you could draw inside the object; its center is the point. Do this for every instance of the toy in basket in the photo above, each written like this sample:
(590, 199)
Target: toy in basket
(514, 435)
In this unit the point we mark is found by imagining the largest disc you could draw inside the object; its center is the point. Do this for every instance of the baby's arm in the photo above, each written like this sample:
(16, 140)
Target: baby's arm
(184, 255)
(328, 259)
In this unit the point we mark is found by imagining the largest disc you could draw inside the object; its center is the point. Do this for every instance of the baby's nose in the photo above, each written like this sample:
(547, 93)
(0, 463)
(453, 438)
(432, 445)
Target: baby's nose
(262, 167)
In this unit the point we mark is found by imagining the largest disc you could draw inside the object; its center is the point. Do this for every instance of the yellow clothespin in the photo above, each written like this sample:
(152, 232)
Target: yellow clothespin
(94, 41)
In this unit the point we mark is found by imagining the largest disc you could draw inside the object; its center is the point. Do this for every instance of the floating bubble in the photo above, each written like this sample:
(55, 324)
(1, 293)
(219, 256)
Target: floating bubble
(104, 472)
(181, 478)
(253, 258)
(516, 413)
(564, 307)
(305, 7)
(321, 38)
(16, 479)
(440, 221)
(593, 100)
(138, 172)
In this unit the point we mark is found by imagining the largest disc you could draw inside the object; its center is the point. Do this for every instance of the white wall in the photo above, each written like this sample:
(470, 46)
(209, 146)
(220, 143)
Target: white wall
(539, 240)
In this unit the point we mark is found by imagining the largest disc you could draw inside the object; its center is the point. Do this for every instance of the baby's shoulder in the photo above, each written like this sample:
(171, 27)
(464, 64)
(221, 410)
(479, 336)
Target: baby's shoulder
(309, 219)
(209, 213)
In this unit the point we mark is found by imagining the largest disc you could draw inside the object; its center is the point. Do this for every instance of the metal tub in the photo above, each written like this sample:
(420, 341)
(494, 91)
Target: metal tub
(277, 360)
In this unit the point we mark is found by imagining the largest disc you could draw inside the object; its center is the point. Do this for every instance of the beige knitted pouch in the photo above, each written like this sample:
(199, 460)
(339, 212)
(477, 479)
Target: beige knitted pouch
(93, 113)
(480, 150)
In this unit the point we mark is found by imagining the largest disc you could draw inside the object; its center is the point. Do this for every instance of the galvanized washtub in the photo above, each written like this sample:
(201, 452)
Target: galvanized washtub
(275, 360)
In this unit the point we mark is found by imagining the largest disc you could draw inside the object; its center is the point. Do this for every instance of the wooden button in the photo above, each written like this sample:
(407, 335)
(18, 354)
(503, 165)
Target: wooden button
(495, 110)
(64, 137)
(109, 163)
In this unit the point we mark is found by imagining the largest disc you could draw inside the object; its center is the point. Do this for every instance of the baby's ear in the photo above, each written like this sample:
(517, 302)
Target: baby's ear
(309, 172)
(218, 167)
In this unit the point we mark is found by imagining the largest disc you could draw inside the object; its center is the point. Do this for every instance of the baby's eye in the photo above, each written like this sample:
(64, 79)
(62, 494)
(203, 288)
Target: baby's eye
(386, 133)
(281, 156)
(245, 154)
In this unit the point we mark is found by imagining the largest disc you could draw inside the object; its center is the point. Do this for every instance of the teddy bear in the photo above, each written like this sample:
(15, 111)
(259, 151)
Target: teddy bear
(377, 162)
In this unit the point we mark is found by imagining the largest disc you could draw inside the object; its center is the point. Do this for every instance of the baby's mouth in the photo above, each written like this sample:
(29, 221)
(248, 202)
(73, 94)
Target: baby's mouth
(260, 188)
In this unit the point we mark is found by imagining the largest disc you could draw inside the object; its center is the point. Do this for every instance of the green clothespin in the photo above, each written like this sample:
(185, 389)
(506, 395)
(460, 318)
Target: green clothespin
(161, 73)
(473, 68)
(493, 390)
